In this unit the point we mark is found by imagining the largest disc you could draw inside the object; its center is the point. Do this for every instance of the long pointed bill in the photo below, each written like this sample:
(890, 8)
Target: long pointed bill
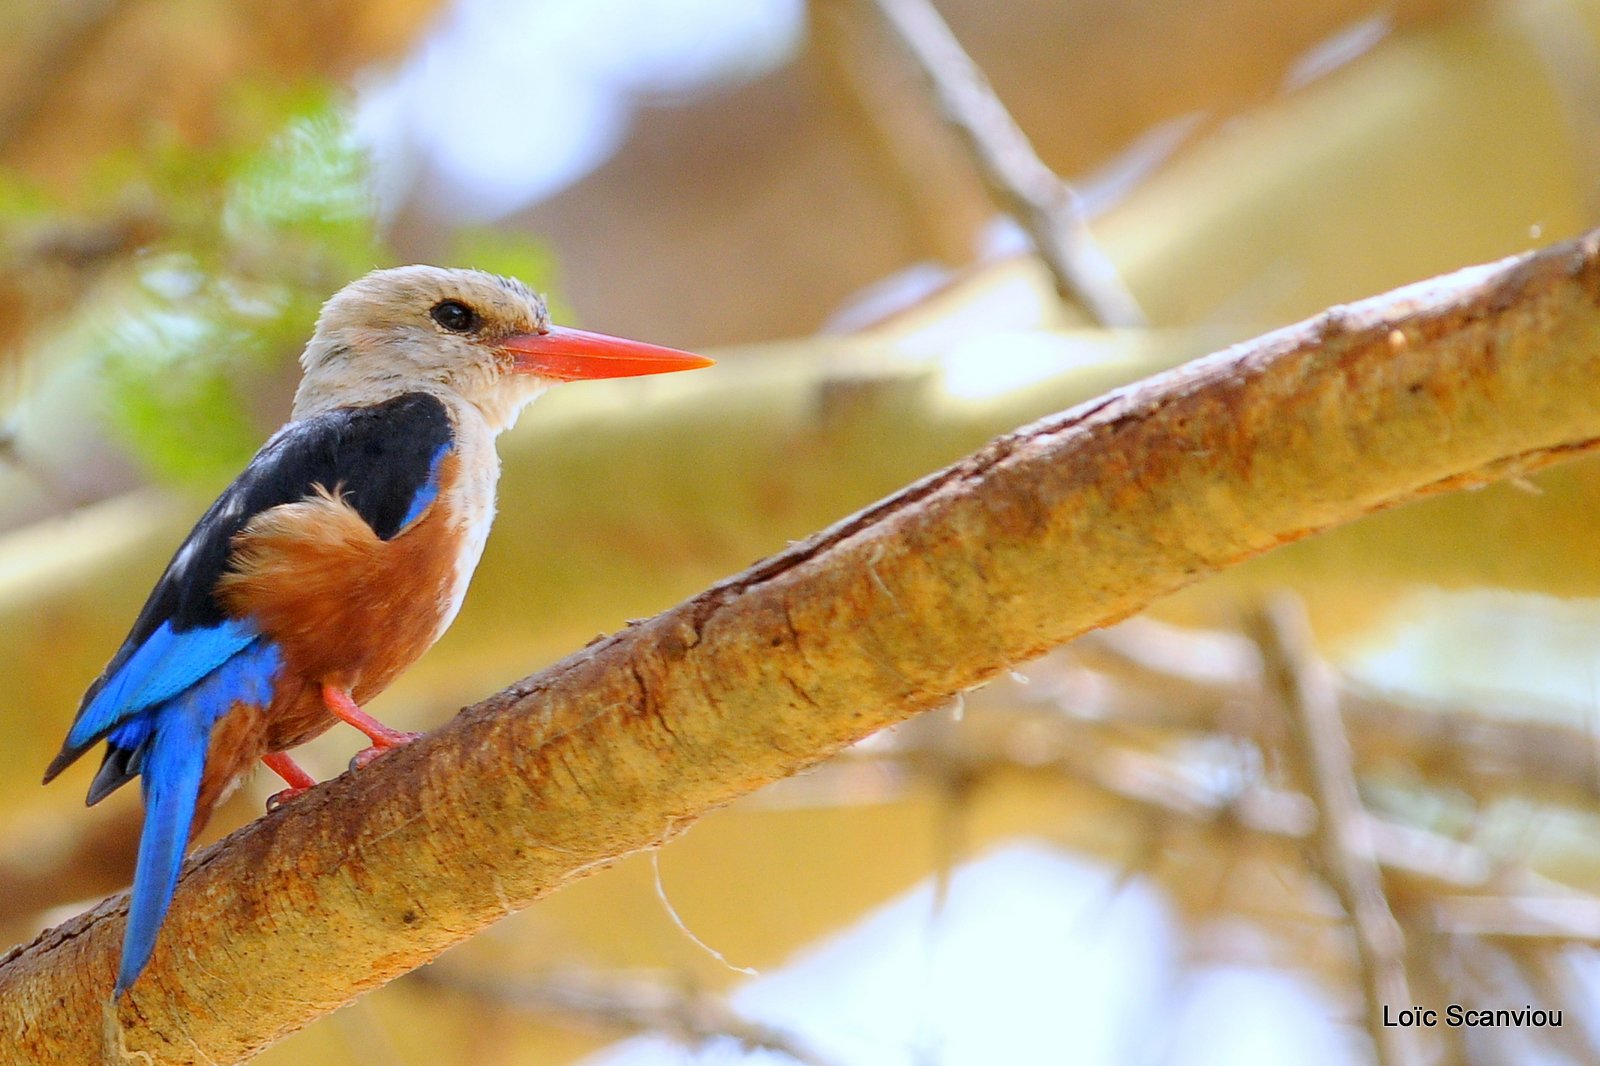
(578, 355)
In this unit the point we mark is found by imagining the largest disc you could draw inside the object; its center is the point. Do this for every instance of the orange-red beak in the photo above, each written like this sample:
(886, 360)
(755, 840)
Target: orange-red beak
(578, 355)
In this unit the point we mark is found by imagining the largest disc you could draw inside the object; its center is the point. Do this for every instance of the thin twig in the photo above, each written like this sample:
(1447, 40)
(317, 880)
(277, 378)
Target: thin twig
(1045, 206)
(1197, 792)
(1344, 837)
(1169, 677)
(944, 203)
(1567, 920)
(633, 1003)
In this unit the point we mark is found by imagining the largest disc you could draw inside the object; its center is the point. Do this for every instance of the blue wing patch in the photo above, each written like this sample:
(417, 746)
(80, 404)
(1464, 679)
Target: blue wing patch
(173, 763)
(165, 665)
(429, 490)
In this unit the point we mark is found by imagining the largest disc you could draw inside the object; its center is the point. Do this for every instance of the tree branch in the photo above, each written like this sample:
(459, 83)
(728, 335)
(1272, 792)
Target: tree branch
(1561, 920)
(1169, 677)
(635, 1004)
(1045, 207)
(1070, 523)
(1320, 752)
(1170, 786)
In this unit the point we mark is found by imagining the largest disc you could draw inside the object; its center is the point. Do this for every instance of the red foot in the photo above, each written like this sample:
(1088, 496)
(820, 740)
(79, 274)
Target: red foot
(286, 768)
(383, 738)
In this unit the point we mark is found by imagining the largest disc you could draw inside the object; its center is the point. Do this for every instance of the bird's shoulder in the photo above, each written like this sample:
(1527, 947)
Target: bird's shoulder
(380, 459)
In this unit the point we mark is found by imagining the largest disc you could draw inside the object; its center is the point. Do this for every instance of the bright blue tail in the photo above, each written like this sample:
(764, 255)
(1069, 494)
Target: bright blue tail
(172, 768)
(173, 739)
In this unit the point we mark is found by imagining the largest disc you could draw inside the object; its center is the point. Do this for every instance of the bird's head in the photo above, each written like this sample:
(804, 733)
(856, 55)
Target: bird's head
(477, 336)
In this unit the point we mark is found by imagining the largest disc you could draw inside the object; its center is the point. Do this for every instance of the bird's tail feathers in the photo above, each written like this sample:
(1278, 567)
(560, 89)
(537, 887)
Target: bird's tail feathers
(174, 761)
(170, 745)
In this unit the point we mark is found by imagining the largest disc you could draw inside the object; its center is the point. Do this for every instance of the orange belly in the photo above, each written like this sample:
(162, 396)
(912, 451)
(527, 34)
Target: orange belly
(345, 607)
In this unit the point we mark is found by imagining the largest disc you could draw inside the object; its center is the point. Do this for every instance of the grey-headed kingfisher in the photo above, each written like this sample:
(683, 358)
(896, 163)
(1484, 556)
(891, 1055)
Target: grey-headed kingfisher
(336, 559)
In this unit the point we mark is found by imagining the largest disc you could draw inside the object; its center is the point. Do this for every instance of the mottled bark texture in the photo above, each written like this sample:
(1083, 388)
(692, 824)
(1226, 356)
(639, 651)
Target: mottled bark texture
(1070, 523)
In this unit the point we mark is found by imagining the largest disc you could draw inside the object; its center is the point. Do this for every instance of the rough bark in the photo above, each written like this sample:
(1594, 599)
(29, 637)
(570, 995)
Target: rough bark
(1066, 524)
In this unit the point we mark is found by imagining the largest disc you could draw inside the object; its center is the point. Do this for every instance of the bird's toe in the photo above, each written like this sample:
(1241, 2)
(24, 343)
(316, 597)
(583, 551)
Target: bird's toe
(365, 756)
(278, 799)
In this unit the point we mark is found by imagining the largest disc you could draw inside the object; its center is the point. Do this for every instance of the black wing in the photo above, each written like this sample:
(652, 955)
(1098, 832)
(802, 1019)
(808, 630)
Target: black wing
(383, 459)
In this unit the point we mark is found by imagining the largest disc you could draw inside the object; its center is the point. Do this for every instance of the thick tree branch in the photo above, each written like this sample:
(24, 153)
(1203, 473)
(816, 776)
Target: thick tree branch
(1070, 523)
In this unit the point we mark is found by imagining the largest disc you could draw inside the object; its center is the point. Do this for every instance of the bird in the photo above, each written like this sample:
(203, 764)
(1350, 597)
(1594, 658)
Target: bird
(340, 554)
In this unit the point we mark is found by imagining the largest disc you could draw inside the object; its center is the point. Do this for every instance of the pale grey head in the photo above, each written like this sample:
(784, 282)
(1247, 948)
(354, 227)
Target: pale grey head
(476, 340)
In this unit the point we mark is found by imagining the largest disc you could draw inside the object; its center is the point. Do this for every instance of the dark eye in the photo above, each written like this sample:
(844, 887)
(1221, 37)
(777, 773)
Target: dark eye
(455, 316)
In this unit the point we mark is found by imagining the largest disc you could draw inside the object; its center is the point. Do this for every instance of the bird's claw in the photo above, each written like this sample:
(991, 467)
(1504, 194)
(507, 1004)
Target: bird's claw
(278, 799)
(363, 758)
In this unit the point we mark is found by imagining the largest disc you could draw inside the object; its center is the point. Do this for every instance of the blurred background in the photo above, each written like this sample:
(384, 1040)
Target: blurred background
(1109, 856)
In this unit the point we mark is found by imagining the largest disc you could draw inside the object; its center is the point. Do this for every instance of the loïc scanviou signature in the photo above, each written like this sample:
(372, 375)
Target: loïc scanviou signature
(1456, 1016)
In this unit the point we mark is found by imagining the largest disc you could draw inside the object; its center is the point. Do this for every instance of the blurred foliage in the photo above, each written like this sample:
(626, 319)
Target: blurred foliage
(213, 314)
(181, 356)
(253, 235)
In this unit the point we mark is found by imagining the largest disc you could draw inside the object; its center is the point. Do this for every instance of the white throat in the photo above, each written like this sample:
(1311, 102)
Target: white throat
(501, 405)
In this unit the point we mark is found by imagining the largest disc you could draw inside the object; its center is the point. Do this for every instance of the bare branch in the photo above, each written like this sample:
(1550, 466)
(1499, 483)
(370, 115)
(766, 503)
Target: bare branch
(1567, 920)
(1424, 859)
(1045, 206)
(1349, 860)
(632, 1003)
(1073, 522)
(1161, 675)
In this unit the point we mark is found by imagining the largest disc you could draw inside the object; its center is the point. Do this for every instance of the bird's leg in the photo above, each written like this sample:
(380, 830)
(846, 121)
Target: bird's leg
(383, 738)
(298, 780)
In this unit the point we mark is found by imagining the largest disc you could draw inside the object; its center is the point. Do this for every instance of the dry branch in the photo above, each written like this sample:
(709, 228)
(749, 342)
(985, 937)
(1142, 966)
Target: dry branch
(1170, 786)
(1320, 752)
(1420, 861)
(1070, 523)
(1562, 921)
(1045, 206)
(1168, 677)
(633, 1004)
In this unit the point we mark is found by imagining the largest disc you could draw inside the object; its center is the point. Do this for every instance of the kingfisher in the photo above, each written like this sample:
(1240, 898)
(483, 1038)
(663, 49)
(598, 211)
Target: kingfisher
(336, 559)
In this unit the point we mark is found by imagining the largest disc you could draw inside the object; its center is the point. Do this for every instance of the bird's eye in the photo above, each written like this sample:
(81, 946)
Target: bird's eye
(455, 316)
